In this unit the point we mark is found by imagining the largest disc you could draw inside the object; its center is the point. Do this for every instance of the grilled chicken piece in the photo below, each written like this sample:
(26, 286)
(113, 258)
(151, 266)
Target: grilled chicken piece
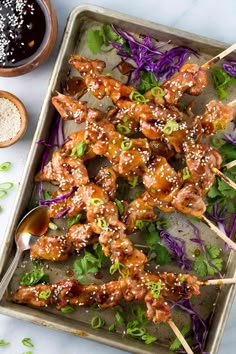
(67, 172)
(161, 180)
(216, 116)
(101, 216)
(106, 179)
(30, 295)
(51, 248)
(188, 201)
(69, 108)
(80, 236)
(191, 79)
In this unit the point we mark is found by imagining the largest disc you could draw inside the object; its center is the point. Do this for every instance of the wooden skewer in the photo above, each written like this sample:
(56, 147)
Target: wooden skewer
(232, 103)
(230, 164)
(219, 57)
(217, 281)
(225, 178)
(180, 337)
(219, 233)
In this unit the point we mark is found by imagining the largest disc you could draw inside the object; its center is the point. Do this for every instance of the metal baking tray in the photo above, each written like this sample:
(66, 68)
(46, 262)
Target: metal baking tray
(74, 41)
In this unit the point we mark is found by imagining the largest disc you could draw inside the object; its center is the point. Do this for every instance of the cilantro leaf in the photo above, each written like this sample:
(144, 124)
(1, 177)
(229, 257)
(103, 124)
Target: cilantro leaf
(163, 255)
(221, 81)
(147, 81)
(152, 235)
(95, 41)
(175, 345)
(228, 152)
(208, 263)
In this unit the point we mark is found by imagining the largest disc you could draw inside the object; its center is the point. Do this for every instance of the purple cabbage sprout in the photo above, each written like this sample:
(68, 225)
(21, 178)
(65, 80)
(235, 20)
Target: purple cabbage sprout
(148, 57)
(230, 67)
(178, 249)
(199, 330)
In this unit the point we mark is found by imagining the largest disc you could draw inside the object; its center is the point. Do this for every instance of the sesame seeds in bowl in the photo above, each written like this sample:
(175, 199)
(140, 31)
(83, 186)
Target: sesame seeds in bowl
(13, 119)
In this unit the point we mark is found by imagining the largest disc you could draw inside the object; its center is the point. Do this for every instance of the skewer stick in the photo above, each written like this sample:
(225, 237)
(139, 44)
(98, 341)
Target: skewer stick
(217, 281)
(219, 57)
(225, 178)
(180, 337)
(232, 103)
(230, 164)
(219, 233)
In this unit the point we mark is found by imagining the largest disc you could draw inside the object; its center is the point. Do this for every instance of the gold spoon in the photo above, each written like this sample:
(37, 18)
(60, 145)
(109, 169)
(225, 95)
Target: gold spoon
(35, 223)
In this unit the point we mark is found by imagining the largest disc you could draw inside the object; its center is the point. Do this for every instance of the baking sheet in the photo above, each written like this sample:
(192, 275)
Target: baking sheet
(74, 41)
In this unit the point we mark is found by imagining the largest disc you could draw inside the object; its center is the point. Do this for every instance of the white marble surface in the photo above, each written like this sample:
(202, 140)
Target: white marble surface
(215, 19)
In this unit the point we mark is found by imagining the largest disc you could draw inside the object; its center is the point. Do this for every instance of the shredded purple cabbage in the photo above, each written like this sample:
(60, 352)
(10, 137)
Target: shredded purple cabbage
(58, 199)
(178, 248)
(199, 330)
(229, 139)
(147, 56)
(62, 213)
(230, 67)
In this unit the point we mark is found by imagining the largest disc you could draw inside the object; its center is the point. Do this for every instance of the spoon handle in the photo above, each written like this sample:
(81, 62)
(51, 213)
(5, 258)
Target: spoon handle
(9, 273)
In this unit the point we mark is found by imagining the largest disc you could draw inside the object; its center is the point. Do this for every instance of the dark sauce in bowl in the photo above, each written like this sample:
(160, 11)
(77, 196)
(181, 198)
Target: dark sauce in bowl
(22, 31)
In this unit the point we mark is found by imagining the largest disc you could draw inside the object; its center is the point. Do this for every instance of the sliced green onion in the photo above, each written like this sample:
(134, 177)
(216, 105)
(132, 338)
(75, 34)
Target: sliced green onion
(119, 318)
(185, 173)
(112, 327)
(122, 129)
(134, 182)
(5, 166)
(97, 322)
(157, 91)
(136, 96)
(217, 142)
(68, 309)
(155, 288)
(6, 186)
(27, 342)
(120, 206)
(52, 226)
(96, 201)
(218, 125)
(102, 223)
(136, 331)
(28, 352)
(31, 278)
(120, 267)
(148, 338)
(2, 193)
(4, 343)
(46, 195)
(74, 219)
(126, 144)
(79, 150)
(45, 294)
(139, 313)
(170, 126)
(153, 190)
(126, 118)
(140, 224)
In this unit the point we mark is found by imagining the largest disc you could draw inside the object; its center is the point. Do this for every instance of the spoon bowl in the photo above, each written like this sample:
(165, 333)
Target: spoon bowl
(35, 223)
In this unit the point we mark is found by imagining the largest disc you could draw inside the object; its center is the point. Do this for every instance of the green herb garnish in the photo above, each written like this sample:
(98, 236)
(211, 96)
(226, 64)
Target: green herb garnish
(147, 81)
(27, 342)
(67, 309)
(33, 277)
(79, 150)
(5, 166)
(119, 267)
(222, 81)
(4, 343)
(120, 206)
(134, 330)
(155, 287)
(97, 322)
(74, 219)
(175, 345)
(210, 263)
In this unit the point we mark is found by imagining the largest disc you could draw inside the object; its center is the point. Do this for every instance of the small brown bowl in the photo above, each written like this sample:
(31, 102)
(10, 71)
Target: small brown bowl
(23, 114)
(44, 50)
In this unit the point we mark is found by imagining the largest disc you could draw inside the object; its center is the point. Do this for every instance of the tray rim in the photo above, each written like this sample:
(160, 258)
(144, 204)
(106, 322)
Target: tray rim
(8, 235)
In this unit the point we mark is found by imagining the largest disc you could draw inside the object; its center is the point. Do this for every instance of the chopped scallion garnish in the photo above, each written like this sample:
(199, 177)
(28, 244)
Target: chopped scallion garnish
(119, 318)
(5, 166)
(27, 342)
(79, 150)
(68, 309)
(126, 144)
(157, 91)
(45, 294)
(4, 343)
(52, 226)
(120, 206)
(185, 173)
(119, 267)
(123, 129)
(102, 223)
(96, 201)
(134, 182)
(170, 127)
(97, 322)
(136, 96)
(155, 288)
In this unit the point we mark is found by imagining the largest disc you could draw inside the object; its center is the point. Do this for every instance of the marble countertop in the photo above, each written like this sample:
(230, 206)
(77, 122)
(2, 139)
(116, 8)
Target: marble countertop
(204, 17)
